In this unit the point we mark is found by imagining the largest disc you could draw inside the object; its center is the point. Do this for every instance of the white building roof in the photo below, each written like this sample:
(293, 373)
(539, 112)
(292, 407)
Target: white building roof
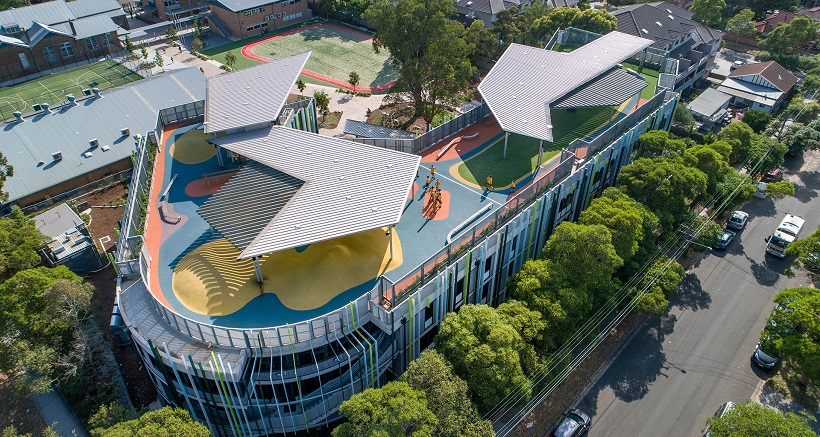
(526, 80)
(749, 91)
(252, 96)
(348, 187)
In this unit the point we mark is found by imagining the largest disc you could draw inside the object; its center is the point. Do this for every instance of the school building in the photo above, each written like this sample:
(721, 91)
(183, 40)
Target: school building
(244, 18)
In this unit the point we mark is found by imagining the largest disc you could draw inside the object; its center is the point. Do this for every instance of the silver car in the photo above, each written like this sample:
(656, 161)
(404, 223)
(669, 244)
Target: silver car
(738, 220)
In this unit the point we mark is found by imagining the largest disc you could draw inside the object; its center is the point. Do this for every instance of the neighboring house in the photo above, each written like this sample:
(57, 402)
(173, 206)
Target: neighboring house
(709, 108)
(766, 86)
(37, 38)
(70, 244)
(768, 24)
(813, 12)
(486, 10)
(691, 45)
(62, 148)
(244, 18)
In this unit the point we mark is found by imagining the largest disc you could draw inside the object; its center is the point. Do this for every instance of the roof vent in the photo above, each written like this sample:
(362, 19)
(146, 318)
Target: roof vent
(35, 107)
(96, 92)
(87, 155)
(645, 32)
(44, 106)
(659, 24)
(70, 98)
(469, 4)
(105, 148)
(669, 10)
(671, 17)
(125, 131)
(19, 117)
(57, 156)
(87, 92)
(93, 143)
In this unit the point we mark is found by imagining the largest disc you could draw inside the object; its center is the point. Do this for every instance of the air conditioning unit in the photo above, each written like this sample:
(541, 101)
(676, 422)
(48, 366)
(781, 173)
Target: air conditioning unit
(93, 143)
(57, 156)
(125, 131)
(87, 92)
(36, 107)
(105, 148)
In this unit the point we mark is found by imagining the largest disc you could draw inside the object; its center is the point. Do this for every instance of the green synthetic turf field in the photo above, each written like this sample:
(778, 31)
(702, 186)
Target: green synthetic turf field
(53, 88)
(335, 53)
(651, 79)
(522, 152)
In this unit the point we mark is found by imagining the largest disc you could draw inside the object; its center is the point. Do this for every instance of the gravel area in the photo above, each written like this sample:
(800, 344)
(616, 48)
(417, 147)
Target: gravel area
(351, 107)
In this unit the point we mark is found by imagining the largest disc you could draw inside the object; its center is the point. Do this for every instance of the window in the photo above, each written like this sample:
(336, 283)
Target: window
(92, 44)
(48, 52)
(292, 16)
(257, 26)
(12, 28)
(66, 50)
(106, 41)
(24, 60)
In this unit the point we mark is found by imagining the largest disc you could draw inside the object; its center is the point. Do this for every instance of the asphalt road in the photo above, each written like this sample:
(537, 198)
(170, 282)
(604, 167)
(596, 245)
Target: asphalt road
(680, 367)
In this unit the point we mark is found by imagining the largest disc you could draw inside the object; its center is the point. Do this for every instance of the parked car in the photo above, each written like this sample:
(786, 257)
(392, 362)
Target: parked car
(737, 220)
(775, 175)
(765, 360)
(735, 65)
(574, 423)
(725, 239)
(725, 408)
(761, 190)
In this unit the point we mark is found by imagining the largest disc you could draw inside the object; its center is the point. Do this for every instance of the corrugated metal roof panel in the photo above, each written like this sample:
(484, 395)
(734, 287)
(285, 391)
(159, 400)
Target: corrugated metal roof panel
(57, 221)
(68, 130)
(93, 26)
(236, 100)
(609, 89)
(369, 130)
(85, 8)
(52, 12)
(263, 192)
(349, 187)
(709, 102)
(527, 80)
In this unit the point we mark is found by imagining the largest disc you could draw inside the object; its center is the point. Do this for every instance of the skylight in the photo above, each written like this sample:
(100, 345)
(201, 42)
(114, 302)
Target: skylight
(469, 4)
(659, 24)
(645, 32)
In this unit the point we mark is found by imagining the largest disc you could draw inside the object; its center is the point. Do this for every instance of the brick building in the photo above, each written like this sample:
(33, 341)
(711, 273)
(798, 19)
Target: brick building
(168, 10)
(37, 38)
(244, 18)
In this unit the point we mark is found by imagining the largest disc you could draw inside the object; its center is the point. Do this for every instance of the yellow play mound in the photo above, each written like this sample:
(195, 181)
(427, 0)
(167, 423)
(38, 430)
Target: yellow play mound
(191, 148)
(210, 281)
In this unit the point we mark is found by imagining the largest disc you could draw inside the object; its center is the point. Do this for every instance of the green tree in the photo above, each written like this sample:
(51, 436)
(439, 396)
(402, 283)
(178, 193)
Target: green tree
(753, 419)
(144, 52)
(485, 42)
(483, 345)
(805, 138)
(806, 252)
(711, 163)
(793, 331)
(12, 431)
(167, 421)
(757, 120)
(19, 241)
(766, 151)
(327, 7)
(353, 79)
(300, 85)
(170, 34)
(658, 284)
(708, 233)
(8, 4)
(6, 171)
(656, 143)
(197, 45)
(742, 25)
(740, 136)
(708, 12)
(683, 117)
(40, 311)
(107, 416)
(322, 102)
(129, 45)
(741, 184)
(572, 245)
(434, 64)
(762, 8)
(447, 396)
(665, 186)
(230, 59)
(158, 61)
(788, 39)
(395, 409)
(779, 190)
(595, 20)
(623, 217)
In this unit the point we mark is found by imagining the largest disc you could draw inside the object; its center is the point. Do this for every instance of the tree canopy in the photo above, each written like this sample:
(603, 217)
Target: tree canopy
(6, 171)
(434, 64)
(165, 422)
(628, 221)
(742, 24)
(708, 12)
(485, 345)
(805, 138)
(793, 330)
(393, 409)
(740, 136)
(447, 397)
(762, 8)
(753, 419)
(806, 251)
(19, 241)
(658, 284)
(789, 39)
(757, 120)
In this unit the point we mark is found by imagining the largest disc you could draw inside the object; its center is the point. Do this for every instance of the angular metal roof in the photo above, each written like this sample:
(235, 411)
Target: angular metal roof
(90, 26)
(610, 89)
(57, 221)
(262, 191)
(251, 96)
(709, 102)
(348, 188)
(369, 130)
(69, 128)
(525, 81)
(85, 8)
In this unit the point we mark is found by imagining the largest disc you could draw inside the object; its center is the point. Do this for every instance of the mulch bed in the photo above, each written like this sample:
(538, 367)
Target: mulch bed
(18, 411)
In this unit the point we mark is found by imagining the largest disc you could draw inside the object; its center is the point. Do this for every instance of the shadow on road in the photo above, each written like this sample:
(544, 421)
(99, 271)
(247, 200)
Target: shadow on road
(760, 208)
(807, 191)
(690, 295)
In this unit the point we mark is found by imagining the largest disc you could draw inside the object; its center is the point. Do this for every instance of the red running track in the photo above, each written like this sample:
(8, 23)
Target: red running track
(247, 52)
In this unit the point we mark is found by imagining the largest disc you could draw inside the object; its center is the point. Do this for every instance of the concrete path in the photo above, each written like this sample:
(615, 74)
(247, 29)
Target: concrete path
(352, 107)
(54, 410)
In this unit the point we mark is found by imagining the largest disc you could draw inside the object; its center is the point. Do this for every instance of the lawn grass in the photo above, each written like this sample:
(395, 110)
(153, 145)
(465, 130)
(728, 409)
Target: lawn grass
(522, 152)
(53, 88)
(335, 53)
(651, 79)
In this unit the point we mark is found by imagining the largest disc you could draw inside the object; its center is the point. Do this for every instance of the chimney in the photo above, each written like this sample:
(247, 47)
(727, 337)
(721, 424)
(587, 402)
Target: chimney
(70, 98)
(73, 30)
(96, 92)
(19, 117)
(44, 106)
(25, 32)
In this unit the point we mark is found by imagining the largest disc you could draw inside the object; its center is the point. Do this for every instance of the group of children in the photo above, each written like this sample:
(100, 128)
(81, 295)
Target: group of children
(435, 193)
